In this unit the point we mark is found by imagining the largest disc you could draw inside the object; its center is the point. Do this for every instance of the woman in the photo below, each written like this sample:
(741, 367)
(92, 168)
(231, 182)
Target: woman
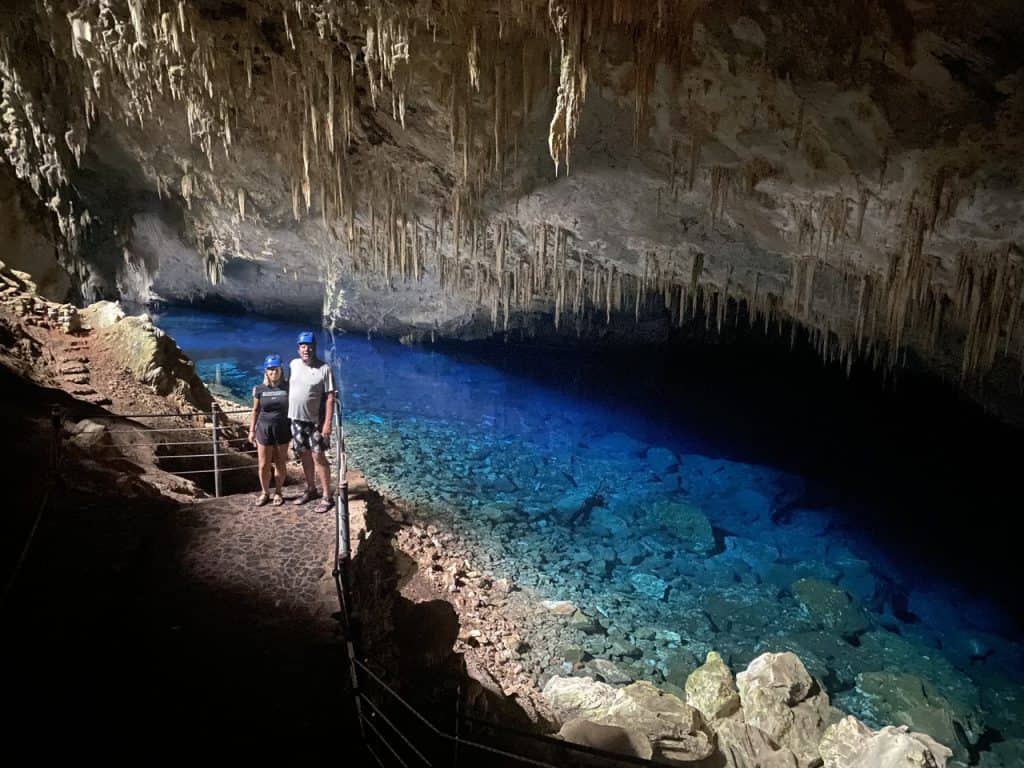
(270, 428)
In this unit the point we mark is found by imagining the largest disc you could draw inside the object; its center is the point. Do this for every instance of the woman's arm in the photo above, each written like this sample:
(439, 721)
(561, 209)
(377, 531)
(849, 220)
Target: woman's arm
(255, 413)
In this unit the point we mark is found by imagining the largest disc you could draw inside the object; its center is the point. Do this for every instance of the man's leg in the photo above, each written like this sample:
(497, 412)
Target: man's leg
(323, 471)
(306, 457)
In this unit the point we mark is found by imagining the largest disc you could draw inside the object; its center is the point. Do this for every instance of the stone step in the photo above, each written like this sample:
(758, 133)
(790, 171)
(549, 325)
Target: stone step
(73, 369)
(76, 379)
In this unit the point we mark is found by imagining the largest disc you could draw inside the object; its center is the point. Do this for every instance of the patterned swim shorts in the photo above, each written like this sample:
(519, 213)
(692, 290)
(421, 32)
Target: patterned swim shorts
(306, 436)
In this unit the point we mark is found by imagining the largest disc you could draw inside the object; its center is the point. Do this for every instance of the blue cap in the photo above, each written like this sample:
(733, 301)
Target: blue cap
(306, 337)
(272, 361)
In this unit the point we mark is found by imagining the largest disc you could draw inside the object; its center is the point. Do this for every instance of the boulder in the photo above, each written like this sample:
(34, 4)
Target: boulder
(676, 730)
(611, 738)
(572, 697)
(711, 690)
(851, 744)
(743, 746)
(102, 314)
(833, 608)
(781, 699)
(153, 358)
(687, 523)
(782, 673)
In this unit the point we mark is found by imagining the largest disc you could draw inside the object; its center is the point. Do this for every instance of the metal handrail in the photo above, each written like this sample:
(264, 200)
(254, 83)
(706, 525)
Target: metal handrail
(214, 441)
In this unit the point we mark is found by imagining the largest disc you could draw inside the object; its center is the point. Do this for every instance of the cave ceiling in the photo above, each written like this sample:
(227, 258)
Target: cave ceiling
(848, 169)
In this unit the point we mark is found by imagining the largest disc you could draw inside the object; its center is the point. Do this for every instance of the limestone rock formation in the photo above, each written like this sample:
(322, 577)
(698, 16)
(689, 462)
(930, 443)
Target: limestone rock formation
(710, 688)
(779, 698)
(850, 744)
(850, 171)
(151, 356)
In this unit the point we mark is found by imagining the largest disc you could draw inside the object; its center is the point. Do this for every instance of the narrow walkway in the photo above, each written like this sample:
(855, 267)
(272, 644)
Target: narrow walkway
(179, 626)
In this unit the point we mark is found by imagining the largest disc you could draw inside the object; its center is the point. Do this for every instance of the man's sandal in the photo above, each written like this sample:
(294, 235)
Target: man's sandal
(278, 500)
(325, 506)
(307, 495)
(262, 500)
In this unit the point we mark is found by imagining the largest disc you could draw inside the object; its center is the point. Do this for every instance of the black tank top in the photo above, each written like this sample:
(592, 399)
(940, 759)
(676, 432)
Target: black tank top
(273, 402)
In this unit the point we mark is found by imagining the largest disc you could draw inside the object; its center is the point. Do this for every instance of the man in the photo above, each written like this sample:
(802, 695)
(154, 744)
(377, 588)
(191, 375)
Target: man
(310, 408)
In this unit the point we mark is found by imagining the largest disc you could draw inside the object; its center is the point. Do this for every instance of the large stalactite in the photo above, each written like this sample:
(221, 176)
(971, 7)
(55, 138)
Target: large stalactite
(850, 169)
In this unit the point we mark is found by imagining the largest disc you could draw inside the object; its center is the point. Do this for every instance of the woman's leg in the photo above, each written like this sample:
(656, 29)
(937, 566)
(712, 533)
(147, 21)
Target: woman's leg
(263, 453)
(281, 465)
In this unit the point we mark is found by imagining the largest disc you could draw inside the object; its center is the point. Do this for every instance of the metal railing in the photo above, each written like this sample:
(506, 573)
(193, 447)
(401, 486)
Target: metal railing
(218, 426)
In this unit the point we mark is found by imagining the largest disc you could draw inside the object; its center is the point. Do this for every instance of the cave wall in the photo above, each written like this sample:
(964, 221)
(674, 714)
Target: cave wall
(851, 169)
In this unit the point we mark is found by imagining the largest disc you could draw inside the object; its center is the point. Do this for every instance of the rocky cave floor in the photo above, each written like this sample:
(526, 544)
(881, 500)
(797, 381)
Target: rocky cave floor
(198, 617)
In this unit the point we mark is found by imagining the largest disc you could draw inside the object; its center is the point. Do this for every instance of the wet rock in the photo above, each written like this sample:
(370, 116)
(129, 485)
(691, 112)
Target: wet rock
(832, 607)
(1003, 754)
(710, 688)
(585, 624)
(610, 671)
(677, 664)
(687, 523)
(850, 744)
(649, 585)
(662, 460)
(611, 738)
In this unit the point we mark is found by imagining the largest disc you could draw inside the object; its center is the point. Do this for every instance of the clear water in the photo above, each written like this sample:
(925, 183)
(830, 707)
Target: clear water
(509, 453)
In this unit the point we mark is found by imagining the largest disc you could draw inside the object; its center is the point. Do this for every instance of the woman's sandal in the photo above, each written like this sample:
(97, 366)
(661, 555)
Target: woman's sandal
(278, 500)
(262, 500)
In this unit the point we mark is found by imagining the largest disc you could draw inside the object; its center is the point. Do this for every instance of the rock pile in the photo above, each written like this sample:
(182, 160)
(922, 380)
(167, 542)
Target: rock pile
(778, 717)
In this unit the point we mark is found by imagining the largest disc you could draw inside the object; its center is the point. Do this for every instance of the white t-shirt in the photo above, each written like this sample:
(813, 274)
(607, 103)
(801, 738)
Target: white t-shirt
(307, 387)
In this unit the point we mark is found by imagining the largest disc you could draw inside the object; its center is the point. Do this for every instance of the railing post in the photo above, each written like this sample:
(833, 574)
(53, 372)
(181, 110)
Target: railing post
(216, 456)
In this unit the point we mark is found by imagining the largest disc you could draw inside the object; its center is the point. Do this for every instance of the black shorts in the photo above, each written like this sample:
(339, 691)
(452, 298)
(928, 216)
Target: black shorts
(306, 436)
(276, 432)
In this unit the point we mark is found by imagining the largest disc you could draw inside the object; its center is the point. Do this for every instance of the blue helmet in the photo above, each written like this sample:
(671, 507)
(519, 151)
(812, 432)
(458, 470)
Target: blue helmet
(306, 337)
(272, 361)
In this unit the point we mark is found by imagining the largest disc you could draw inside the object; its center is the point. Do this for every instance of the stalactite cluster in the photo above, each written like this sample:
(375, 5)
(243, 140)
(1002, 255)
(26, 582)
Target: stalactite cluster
(347, 102)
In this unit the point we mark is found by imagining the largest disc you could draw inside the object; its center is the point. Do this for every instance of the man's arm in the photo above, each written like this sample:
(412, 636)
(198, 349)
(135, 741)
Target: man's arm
(325, 430)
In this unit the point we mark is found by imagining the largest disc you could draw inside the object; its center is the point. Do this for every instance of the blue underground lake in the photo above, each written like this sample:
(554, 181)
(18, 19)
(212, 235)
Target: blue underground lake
(702, 500)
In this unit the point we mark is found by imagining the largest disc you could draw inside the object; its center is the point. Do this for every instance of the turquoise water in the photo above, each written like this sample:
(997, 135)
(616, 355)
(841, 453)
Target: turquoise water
(658, 508)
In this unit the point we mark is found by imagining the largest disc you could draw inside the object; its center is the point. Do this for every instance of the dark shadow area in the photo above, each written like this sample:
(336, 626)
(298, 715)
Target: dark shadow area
(106, 641)
(921, 469)
(111, 647)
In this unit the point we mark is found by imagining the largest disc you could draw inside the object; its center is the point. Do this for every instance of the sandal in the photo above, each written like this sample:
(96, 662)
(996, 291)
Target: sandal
(278, 500)
(307, 495)
(262, 500)
(325, 506)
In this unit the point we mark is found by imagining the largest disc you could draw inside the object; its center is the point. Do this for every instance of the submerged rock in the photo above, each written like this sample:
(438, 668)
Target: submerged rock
(687, 523)
(710, 688)
(914, 702)
(649, 585)
(834, 608)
